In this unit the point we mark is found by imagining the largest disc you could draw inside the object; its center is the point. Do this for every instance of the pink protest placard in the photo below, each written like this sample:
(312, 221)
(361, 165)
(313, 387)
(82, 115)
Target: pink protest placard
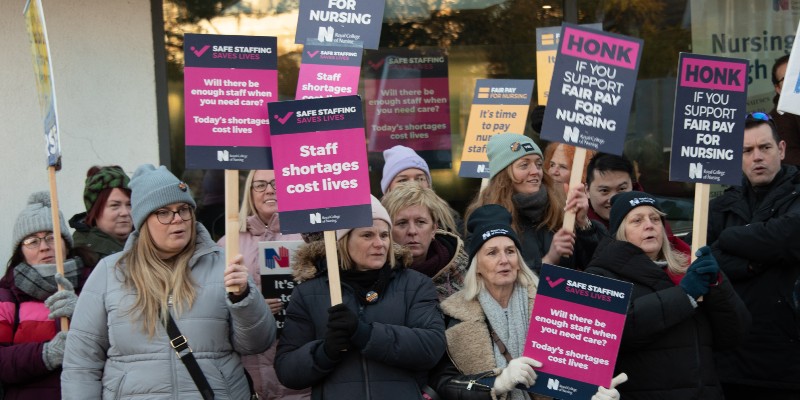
(228, 81)
(320, 159)
(575, 331)
(328, 71)
(407, 102)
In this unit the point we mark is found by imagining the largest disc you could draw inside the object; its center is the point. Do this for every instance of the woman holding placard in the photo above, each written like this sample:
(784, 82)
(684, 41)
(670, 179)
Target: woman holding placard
(258, 222)
(381, 340)
(32, 347)
(679, 312)
(155, 321)
(518, 183)
(487, 321)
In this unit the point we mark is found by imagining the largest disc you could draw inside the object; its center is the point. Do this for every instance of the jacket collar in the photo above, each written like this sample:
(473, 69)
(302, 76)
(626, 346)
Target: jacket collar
(310, 262)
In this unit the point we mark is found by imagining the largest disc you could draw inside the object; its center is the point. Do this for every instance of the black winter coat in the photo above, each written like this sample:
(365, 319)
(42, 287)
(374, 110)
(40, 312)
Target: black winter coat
(759, 250)
(406, 340)
(667, 344)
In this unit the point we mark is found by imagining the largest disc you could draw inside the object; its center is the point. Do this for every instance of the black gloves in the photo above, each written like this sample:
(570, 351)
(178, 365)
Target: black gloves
(701, 274)
(342, 324)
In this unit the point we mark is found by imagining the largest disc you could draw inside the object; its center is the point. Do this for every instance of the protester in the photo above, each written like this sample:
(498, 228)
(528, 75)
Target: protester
(258, 222)
(487, 321)
(517, 182)
(678, 313)
(381, 340)
(558, 161)
(608, 175)
(31, 346)
(403, 164)
(106, 224)
(418, 215)
(754, 229)
(170, 268)
(788, 124)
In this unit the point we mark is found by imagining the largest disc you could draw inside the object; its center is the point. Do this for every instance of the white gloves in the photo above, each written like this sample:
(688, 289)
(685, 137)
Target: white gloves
(518, 371)
(610, 394)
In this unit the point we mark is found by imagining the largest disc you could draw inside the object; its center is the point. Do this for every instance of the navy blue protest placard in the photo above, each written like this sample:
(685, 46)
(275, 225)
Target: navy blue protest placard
(275, 261)
(708, 129)
(592, 89)
(575, 331)
(498, 106)
(343, 22)
(320, 157)
(228, 81)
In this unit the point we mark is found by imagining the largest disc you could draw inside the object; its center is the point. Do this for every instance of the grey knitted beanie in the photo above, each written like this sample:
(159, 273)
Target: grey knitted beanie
(505, 148)
(37, 217)
(153, 188)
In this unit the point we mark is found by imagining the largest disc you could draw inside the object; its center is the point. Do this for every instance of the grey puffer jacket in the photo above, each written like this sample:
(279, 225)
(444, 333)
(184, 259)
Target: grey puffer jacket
(406, 339)
(109, 356)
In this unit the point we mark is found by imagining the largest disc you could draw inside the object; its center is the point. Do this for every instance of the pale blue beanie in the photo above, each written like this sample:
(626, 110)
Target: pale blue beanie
(153, 188)
(398, 159)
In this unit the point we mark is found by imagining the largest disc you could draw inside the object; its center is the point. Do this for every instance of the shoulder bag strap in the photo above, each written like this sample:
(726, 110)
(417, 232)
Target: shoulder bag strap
(502, 348)
(181, 345)
(496, 339)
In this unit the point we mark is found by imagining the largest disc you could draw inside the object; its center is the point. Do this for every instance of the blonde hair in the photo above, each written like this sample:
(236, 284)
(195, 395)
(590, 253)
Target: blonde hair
(501, 190)
(248, 208)
(154, 279)
(677, 262)
(410, 194)
(473, 284)
(346, 262)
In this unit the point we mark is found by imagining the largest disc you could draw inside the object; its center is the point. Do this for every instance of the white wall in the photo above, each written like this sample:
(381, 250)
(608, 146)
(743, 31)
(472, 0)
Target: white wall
(103, 66)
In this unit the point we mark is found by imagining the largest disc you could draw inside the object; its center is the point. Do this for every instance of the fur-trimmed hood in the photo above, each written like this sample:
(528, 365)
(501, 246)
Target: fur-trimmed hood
(309, 260)
(468, 342)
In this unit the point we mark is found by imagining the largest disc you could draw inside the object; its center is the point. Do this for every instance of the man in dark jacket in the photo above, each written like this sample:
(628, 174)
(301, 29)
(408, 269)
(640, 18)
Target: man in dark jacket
(754, 230)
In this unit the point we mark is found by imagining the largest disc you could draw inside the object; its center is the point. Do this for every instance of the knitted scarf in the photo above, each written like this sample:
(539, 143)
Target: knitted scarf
(30, 280)
(437, 258)
(511, 326)
(532, 205)
(370, 285)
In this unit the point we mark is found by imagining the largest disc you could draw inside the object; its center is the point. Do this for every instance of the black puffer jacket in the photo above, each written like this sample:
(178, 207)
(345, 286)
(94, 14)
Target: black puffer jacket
(667, 345)
(407, 337)
(760, 251)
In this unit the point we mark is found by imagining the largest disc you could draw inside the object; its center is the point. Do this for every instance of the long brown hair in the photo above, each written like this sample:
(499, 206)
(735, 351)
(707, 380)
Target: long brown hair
(501, 190)
(154, 279)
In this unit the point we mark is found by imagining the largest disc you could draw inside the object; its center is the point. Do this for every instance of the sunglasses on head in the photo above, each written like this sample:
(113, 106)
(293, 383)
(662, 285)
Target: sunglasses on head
(759, 116)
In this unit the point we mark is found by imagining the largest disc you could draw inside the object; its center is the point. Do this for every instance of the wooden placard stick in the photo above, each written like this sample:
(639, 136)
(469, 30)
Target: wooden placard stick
(575, 178)
(231, 219)
(333, 268)
(702, 192)
(57, 234)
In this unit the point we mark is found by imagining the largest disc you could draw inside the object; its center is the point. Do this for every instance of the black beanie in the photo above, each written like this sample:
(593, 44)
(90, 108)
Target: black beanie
(623, 203)
(487, 222)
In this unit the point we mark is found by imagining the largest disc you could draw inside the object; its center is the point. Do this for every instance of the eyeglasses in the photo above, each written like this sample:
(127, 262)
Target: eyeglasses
(167, 216)
(33, 242)
(260, 186)
(780, 81)
(760, 116)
